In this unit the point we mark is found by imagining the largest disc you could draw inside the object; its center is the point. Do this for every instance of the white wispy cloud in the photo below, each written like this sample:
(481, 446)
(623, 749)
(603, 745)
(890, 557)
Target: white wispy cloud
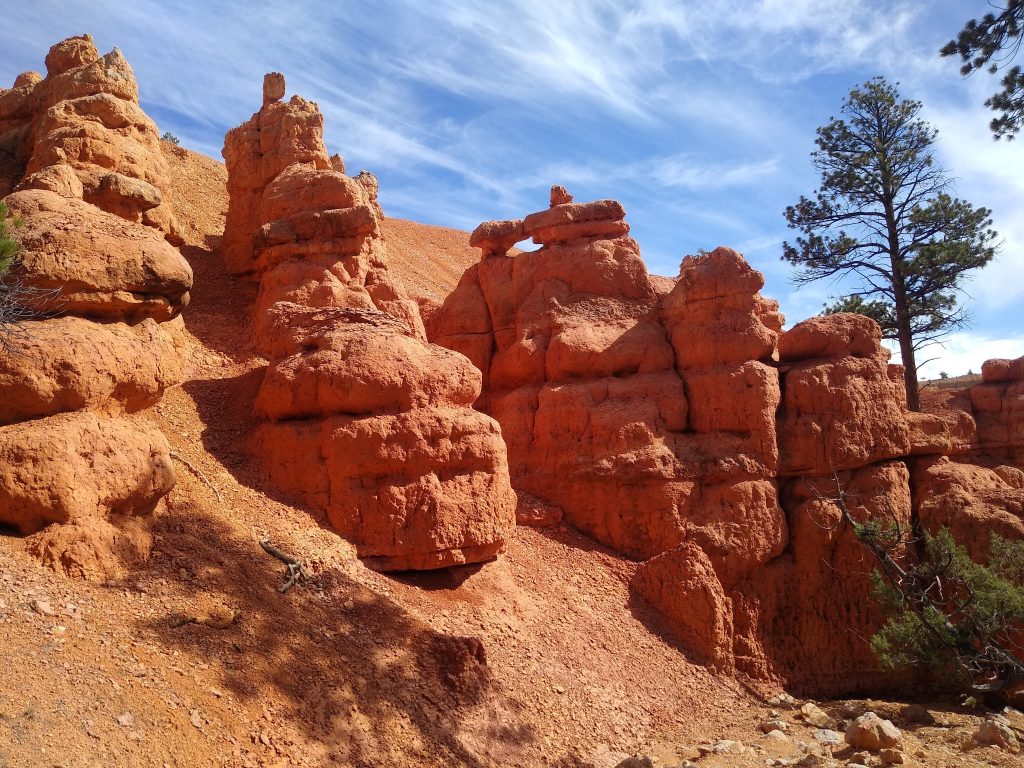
(964, 352)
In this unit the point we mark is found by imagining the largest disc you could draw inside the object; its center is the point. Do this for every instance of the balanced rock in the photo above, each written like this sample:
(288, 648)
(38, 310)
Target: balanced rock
(577, 370)
(96, 264)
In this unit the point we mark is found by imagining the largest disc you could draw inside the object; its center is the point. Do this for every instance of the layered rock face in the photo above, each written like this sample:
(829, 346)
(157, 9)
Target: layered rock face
(76, 468)
(998, 407)
(676, 423)
(611, 402)
(364, 419)
(981, 492)
(578, 371)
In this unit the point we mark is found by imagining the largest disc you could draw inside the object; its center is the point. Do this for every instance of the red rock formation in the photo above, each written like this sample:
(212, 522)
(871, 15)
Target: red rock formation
(998, 407)
(104, 267)
(806, 616)
(75, 472)
(365, 421)
(85, 114)
(69, 364)
(843, 408)
(608, 413)
(972, 501)
(578, 371)
(680, 424)
(683, 584)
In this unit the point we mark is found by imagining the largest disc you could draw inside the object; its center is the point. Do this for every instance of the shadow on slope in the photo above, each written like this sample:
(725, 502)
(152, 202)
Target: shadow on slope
(360, 680)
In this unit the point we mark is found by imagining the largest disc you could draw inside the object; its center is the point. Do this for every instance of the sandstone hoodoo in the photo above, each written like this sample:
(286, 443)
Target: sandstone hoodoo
(109, 289)
(365, 421)
(679, 423)
(84, 116)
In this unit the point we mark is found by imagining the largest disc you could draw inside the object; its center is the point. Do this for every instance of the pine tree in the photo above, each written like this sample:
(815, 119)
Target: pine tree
(884, 215)
(979, 44)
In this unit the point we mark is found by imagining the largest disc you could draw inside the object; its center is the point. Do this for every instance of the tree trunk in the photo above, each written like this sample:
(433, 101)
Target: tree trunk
(909, 363)
(902, 309)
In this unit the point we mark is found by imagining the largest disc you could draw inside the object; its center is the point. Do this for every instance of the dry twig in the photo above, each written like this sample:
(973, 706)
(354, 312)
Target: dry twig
(295, 569)
(198, 473)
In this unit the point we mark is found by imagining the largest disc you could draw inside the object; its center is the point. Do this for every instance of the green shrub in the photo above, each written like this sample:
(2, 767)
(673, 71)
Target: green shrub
(19, 301)
(8, 245)
(959, 621)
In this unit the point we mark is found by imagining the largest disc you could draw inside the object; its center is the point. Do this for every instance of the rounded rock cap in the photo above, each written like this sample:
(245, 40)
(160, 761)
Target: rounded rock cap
(70, 53)
(273, 87)
(559, 195)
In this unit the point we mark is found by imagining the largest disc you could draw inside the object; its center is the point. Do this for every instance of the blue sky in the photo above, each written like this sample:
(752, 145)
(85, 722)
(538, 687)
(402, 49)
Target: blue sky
(698, 116)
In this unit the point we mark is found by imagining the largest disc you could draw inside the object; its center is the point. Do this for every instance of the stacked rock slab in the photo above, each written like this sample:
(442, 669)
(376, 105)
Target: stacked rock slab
(364, 420)
(997, 404)
(74, 466)
(578, 371)
(680, 426)
(85, 116)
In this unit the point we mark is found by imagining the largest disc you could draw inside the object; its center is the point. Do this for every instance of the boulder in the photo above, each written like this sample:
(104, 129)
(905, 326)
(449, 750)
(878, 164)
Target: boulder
(363, 369)
(422, 489)
(78, 467)
(995, 731)
(273, 87)
(69, 364)
(871, 732)
(715, 314)
(68, 54)
(1002, 370)
(842, 408)
(681, 583)
(97, 264)
(60, 179)
(832, 337)
(495, 238)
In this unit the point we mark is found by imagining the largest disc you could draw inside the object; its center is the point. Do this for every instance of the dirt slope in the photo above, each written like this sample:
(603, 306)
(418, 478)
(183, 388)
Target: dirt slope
(198, 660)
